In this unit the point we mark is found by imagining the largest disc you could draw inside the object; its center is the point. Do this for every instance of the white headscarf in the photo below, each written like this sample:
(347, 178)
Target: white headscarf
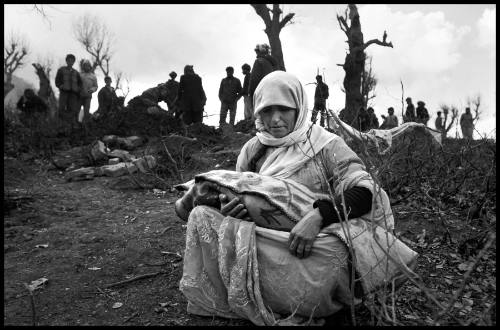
(306, 139)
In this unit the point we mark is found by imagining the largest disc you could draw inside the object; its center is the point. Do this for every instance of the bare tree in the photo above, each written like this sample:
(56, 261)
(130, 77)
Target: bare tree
(273, 28)
(354, 64)
(368, 83)
(43, 69)
(454, 114)
(15, 51)
(97, 40)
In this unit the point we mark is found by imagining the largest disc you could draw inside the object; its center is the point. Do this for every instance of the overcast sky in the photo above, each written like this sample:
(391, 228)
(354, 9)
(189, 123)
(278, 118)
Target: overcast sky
(442, 53)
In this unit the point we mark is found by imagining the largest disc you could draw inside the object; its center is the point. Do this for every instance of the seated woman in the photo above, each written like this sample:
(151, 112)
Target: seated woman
(238, 266)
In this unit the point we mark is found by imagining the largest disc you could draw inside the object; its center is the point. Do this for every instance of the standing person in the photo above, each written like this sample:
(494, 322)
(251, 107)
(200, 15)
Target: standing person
(422, 113)
(229, 94)
(390, 121)
(107, 99)
(172, 87)
(248, 113)
(69, 82)
(89, 86)
(372, 119)
(466, 123)
(363, 119)
(192, 96)
(263, 65)
(320, 95)
(439, 122)
(410, 111)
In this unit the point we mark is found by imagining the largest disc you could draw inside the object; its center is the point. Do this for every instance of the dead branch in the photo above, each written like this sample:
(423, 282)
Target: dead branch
(174, 163)
(140, 277)
(287, 19)
(378, 42)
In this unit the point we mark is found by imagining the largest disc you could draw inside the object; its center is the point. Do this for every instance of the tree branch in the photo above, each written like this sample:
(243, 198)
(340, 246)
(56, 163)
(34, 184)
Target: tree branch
(263, 11)
(286, 19)
(378, 42)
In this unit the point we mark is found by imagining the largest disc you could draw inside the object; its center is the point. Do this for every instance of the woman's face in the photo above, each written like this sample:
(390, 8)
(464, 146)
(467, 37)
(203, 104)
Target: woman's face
(278, 120)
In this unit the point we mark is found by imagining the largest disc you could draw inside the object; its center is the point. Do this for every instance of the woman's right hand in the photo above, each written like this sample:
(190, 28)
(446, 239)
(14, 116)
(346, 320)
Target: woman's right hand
(233, 208)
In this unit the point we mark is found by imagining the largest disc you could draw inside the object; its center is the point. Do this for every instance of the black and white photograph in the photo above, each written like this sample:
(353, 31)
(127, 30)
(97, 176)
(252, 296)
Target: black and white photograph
(249, 165)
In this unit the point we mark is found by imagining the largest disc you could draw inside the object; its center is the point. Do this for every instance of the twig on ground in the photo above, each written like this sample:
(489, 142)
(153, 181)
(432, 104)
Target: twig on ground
(140, 277)
(131, 317)
(32, 303)
(174, 163)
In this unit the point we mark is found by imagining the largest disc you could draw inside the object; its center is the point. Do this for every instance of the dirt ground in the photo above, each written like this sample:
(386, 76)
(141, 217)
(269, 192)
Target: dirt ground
(99, 233)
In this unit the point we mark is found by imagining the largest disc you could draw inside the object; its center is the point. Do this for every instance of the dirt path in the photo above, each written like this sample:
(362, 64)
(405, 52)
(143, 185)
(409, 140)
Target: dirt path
(96, 236)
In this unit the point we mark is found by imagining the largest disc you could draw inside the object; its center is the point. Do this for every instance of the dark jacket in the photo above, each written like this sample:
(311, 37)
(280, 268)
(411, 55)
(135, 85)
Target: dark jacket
(422, 115)
(439, 123)
(172, 87)
(31, 105)
(190, 87)
(68, 80)
(262, 66)
(107, 99)
(246, 85)
(321, 92)
(229, 90)
(372, 121)
(410, 113)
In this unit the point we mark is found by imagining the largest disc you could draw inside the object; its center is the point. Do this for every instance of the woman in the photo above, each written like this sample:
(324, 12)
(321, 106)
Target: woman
(89, 86)
(233, 268)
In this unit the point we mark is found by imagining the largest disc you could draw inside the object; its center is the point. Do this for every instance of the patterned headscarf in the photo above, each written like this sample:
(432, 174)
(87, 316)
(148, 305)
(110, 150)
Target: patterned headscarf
(306, 138)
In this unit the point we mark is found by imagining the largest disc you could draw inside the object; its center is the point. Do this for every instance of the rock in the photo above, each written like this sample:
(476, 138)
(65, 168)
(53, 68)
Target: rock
(151, 161)
(113, 161)
(123, 155)
(98, 151)
(119, 169)
(131, 142)
(84, 173)
(144, 164)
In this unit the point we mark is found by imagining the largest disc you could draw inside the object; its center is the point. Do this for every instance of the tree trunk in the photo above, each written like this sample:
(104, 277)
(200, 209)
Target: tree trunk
(45, 91)
(354, 64)
(276, 50)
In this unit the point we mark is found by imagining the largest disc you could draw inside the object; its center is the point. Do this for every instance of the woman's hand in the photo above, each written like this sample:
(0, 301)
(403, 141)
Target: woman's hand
(233, 208)
(304, 233)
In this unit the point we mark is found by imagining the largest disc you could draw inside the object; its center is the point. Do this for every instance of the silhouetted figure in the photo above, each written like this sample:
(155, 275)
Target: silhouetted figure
(439, 122)
(191, 96)
(422, 113)
(390, 121)
(466, 124)
(362, 119)
(172, 88)
(263, 65)
(245, 91)
(320, 95)
(69, 83)
(89, 86)
(107, 100)
(229, 94)
(410, 111)
(33, 114)
(372, 119)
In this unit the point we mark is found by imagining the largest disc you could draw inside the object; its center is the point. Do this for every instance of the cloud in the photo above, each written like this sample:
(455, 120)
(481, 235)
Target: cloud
(486, 27)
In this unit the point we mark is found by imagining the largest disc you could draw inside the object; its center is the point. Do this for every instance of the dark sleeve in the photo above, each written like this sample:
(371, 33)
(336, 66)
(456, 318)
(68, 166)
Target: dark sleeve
(20, 104)
(59, 78)
(255, 76)
(181, 87)
(203, 95)
(358, 201)
(238, 88)
(327, 94)
(220, 89)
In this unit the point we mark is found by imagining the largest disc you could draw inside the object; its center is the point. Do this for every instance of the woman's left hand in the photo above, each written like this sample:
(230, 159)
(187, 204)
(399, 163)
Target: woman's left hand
(304, 233)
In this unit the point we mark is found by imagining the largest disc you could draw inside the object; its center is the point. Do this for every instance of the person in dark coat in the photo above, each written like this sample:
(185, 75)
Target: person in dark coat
(33, 109)
(107, 99)
(229, 94)
(422, 113)
(69, 82)
(439, 122)
(372, 119)
(263, 65)
(172, 88)
(320, 95)
(410, 111)
(363, 119)
(390, 121)
(191, 96)
(245, 92)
